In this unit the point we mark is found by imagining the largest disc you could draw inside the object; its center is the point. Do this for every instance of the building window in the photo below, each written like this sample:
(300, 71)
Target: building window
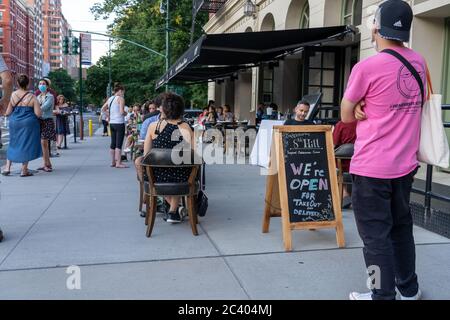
(304, 18)
(268, 79)
(1, 32)
(352, 12)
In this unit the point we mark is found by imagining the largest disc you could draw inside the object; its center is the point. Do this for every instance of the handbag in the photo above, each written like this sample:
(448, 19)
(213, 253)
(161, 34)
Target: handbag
(433, 148)
(202, 203)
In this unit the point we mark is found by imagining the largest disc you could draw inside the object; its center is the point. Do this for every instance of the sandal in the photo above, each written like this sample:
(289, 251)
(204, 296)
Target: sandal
(6, 173)
(43, 168)
(48, 169)
(121, 166)
(27, 174)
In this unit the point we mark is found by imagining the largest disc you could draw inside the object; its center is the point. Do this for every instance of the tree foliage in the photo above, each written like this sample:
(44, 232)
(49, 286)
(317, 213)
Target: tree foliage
(141, 21)
(63, 84)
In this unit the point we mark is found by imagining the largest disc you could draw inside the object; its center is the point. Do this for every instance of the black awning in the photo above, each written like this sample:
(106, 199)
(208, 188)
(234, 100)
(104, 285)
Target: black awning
(216, 53)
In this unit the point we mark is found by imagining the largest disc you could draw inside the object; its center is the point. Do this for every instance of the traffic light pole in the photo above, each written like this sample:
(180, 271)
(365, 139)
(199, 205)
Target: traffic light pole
(81, 89)
(167, 39)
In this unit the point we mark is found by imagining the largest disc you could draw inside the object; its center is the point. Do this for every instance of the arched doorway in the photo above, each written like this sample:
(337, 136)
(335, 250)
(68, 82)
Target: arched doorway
(294, 16)
(268, 23)
(352, 12)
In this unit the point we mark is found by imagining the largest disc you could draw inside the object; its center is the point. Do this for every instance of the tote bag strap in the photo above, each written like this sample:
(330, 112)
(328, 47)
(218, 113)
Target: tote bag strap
(411, 69)
(429, 85)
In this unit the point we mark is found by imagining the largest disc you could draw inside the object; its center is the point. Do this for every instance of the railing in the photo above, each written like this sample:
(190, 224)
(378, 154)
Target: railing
(428, 192)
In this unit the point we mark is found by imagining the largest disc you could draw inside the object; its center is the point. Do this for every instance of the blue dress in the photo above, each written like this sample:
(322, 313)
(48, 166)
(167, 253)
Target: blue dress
(24, 134)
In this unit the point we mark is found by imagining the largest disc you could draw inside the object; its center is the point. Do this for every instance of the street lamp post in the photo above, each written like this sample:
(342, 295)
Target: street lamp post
(81, 88)
(167, 37)
(110, 77)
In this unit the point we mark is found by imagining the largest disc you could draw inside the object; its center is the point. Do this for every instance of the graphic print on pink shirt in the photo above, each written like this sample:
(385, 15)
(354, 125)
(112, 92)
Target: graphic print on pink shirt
(388, 141)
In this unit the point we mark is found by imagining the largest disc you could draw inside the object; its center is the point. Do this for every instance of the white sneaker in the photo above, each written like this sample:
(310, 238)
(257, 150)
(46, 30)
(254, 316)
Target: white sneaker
(368, 296)
(418, 296)
(360, 296)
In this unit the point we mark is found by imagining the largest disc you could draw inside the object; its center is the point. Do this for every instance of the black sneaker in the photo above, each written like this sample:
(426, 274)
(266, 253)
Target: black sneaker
(1, 235)
(174, 217)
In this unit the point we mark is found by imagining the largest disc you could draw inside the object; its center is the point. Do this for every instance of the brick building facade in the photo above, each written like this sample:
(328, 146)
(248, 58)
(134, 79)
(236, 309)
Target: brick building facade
(16, 36)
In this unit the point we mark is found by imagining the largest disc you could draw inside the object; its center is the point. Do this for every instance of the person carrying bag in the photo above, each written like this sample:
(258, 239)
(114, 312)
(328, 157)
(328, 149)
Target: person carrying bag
(433, 148)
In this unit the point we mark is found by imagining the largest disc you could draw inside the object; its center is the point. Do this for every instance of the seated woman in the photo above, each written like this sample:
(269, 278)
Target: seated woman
(220, 114)
(160, 135)
(227, 114)
(212, 115)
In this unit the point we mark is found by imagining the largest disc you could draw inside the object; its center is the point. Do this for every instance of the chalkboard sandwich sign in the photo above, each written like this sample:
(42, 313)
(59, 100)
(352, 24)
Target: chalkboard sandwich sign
(307, 182)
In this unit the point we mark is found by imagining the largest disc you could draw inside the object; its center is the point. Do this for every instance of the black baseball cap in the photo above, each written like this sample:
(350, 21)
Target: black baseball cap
(394, 19)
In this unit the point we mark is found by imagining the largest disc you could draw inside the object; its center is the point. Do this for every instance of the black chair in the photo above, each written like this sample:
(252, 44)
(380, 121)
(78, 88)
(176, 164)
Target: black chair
(343, 152)
(162, 158)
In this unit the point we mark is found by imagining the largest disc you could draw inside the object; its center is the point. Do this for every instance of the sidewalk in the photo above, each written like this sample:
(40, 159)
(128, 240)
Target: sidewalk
(85, 214)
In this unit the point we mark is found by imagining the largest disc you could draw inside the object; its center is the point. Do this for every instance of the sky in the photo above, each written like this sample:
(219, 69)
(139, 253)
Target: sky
(79, 17)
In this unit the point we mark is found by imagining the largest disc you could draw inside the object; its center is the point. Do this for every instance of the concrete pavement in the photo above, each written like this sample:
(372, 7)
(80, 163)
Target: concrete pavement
(85, 214)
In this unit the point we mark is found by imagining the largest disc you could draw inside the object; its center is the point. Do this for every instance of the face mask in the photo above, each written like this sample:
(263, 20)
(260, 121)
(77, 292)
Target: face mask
(374, 42)
(42, 88)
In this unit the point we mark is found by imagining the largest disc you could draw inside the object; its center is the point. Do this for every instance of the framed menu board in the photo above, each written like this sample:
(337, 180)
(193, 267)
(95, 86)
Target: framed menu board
(306, 182)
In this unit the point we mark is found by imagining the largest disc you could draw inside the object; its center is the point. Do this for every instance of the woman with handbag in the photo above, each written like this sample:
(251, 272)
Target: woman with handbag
(115, 108)
(24, 128)
(159, 135)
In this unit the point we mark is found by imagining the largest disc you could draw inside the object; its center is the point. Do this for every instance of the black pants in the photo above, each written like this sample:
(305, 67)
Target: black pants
(117, 135)
(385, 225)
(105, 126)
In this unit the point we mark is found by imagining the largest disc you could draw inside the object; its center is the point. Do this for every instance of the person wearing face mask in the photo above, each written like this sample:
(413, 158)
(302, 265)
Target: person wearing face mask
(115, 108)
(386, 100)
(48, 131)
(49, 89)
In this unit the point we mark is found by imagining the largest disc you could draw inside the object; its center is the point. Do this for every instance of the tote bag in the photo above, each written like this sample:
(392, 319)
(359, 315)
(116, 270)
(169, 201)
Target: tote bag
(434, 147)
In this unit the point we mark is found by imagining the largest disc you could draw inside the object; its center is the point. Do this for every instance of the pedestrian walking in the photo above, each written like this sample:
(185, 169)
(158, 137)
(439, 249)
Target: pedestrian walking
(385, 159)
(24, 128)
(48, 132)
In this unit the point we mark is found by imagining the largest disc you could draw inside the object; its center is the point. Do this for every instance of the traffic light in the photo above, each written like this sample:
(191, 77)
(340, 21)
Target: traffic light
(75, 45)
(66, 45)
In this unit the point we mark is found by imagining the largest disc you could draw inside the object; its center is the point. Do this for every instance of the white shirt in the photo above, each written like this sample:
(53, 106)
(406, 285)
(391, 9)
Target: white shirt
(115, 116)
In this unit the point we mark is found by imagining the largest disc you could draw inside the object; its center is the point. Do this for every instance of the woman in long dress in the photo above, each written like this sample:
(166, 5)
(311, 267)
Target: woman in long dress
(24, 129)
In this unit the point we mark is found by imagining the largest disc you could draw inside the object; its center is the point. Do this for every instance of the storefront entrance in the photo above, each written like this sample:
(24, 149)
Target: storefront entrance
(323, 72)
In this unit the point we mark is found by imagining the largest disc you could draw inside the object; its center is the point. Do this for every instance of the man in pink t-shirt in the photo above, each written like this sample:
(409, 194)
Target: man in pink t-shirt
(385, 158)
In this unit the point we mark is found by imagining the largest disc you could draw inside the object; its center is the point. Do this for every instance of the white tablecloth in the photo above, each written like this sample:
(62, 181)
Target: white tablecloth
(260, 155)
